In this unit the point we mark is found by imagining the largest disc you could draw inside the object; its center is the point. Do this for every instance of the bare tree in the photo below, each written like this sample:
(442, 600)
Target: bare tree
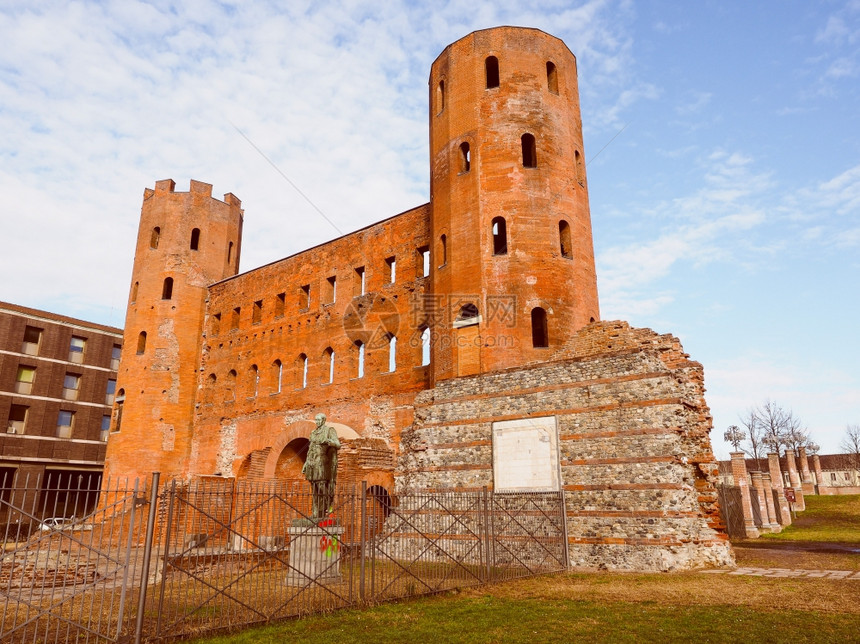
(773, 420)
(851, 445)
(755, 447)
(796, 435)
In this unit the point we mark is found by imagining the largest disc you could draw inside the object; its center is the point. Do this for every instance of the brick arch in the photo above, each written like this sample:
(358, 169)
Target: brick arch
(301, 429)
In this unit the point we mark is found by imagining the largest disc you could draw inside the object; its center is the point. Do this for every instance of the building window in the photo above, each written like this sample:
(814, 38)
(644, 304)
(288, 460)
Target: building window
(257, 312)
(425, 347)
(305, 297)
(440, 97)
(360, 370)
(468, 314)
(71, 385)
(154, 237)
(539, 330)
(833, 478)
(117, 409)
(17, 419)
(564, 239)
(65, 424)
(115, 354)
(330, 294)
(391, 265)
(280, 302)
(424, 261)
(360, 285)
(303, 369)
(167, 289)
(465, 158)
(491, 65)
(76, 349)
(392, 353)
(234, 318)
(529, 151)
(230, 384)
(24, 380)
(500, 236)
(580, 171)
(328, 354)
(278, 373)
(216, 324)
(551, 77)
(195, 239)
(254, 376)
(111, 392)
(32, 340)
(443, 250)
(141, 343)
(230, 252)
(134, 292)
(105, 429)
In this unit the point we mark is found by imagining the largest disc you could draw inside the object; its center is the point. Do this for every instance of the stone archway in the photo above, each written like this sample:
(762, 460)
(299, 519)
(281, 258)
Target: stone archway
(300, 429)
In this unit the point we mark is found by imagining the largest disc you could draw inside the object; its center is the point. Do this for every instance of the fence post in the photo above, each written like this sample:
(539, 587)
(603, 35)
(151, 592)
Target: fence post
(147, 554)
(565, 544)
(486, 514)
(167, 530)
(363, 538)
(127, 561)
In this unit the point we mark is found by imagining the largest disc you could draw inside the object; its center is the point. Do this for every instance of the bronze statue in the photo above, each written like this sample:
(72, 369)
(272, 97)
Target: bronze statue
(320, 468)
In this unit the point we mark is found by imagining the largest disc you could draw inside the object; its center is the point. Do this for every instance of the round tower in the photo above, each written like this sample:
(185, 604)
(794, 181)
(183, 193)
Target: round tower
(510, 219)
(186, 241)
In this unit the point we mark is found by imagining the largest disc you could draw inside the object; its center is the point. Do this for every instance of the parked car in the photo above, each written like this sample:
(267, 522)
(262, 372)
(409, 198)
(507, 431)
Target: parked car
(54, 523)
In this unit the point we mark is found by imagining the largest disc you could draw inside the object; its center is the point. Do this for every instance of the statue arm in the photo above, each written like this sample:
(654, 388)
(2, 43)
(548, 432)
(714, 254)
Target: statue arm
(331, 438)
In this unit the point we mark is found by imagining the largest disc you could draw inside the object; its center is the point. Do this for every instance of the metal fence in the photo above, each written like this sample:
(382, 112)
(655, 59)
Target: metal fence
(150, 564)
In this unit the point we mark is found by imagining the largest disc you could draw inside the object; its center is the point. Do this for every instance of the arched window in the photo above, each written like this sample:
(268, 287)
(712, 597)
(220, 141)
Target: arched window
(564, 239)
(302, 368)
(195, 239)
(425, 347)
(539, 331)
(141, 343)
(500, 236)
(328, 354)
(468, 314)
(230, 252)
(230, 384)
(492, 67)
(359, 345)
(392, 353)
(440, 97)
(254, 377)
(580, 172)
(443, 250)
(465, 158)
(167, 289)
(551, 77)
(529, 151)
(153, 239)
(277, 373)
(134, 288)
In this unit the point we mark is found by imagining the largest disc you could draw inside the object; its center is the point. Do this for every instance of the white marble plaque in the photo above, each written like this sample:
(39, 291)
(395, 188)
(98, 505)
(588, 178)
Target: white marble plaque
(525, 455)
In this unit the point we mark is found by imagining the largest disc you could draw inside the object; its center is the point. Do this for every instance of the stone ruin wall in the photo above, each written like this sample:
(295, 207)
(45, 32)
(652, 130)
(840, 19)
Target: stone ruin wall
(636, 462)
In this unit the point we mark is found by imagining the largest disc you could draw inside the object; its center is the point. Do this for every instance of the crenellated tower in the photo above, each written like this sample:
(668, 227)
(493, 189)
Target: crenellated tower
(514, 272)
(186, 242)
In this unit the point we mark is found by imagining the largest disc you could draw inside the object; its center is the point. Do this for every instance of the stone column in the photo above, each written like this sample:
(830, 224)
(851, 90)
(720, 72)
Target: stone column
(819, 475)
(776, 479)
(757, 496)
(767, 485)
(791, 465)
(739, 472)
(805, 474)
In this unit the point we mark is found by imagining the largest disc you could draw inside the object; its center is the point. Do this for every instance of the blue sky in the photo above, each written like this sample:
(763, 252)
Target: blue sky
(726, 212)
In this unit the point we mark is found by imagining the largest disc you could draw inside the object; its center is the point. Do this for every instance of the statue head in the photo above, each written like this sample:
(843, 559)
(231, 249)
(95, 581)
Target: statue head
(320, 420)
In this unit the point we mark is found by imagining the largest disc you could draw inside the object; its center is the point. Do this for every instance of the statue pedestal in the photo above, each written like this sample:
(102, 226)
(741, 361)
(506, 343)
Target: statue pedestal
(314, 555)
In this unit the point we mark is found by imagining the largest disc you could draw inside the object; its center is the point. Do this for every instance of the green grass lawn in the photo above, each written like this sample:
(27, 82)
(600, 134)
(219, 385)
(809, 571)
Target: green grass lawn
(834, 519)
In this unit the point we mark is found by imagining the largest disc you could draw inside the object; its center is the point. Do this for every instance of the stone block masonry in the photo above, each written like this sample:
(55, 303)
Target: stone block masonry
(635, 458)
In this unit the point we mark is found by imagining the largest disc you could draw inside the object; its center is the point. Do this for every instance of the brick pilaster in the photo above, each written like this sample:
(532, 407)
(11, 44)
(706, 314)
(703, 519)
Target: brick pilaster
(776, 480)
(739, 472)
(791, 465)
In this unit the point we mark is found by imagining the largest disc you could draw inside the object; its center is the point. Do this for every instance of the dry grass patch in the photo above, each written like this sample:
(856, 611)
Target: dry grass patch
(764, 555)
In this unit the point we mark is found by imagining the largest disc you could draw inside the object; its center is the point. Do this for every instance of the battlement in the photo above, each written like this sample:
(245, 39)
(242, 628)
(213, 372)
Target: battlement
(195, 187)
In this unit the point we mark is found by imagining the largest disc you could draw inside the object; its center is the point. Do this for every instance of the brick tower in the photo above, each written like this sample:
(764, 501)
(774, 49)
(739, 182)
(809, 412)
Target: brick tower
(186, 241)
(510, 220)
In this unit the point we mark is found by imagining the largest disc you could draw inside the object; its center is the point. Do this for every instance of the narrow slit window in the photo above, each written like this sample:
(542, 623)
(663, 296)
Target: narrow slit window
(141, 343)
(425, 347)
(278, 373)
(360, 284)
(440, 97)
(564, 239)
(330, 289)
(529, 151)
(392, 353)
(580, 171)
(492, 68)
(329, 356)
(134, 288)
(359, 345)
(391, 264)
(465, 158)
(500, 236)
(443, 250)
(257, 312)
(230, 384)
(280, 302)
(117, 408)
(303, 365)
(539, 330)
(216, 324)
(234, 318)
(551, 77)
(195, 239)
(424, 261)
(155, 237)
(230, 252)
(254, 377)
(167, 289)
(305, 297)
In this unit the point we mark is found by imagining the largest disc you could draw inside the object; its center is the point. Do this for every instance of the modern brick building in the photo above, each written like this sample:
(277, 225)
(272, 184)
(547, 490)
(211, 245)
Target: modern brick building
(454, 345)
(57, 384)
